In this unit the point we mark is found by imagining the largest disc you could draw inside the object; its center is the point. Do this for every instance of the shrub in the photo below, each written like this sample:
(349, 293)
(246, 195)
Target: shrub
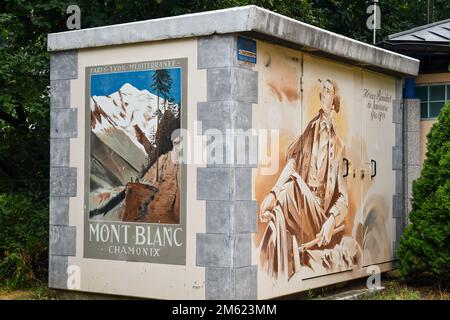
(23, 239)
(425, 245)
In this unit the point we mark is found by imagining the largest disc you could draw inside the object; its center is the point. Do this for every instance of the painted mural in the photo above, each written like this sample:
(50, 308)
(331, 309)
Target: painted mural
(308, 204)
(327, 209)
(135, 178)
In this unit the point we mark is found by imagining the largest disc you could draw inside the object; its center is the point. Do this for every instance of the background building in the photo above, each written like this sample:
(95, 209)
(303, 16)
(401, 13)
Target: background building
(430, 45)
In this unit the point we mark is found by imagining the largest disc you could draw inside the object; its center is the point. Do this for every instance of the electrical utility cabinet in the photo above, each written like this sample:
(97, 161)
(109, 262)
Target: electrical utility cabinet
(231, 154)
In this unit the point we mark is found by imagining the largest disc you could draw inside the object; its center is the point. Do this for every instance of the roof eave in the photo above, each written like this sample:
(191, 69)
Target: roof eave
(236, 20)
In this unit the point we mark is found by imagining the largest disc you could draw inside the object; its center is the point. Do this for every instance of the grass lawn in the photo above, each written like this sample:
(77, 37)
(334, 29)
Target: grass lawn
(34, 293)
(396, 290)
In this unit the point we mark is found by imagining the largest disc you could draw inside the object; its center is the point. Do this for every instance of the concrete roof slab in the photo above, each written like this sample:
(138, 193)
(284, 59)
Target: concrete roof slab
(235, 20)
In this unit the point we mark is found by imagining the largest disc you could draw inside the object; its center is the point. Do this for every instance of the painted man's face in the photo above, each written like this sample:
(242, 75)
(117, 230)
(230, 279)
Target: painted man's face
(327, 97)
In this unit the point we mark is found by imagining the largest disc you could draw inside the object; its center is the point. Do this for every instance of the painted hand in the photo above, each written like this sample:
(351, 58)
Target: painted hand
(326, 233)
(265, 216)
(268, 203)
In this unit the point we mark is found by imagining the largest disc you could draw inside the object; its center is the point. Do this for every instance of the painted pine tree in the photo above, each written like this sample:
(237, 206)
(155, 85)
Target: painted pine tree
(161, 84)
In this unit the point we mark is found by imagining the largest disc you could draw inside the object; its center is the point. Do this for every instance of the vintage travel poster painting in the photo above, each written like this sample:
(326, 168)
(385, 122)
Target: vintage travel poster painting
(327, 209)
(135, 202)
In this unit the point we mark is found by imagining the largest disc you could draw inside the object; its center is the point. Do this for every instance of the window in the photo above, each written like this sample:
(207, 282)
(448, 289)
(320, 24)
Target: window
(432, 99)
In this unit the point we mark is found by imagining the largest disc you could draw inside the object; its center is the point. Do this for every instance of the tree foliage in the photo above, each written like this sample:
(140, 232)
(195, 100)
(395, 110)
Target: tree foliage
(23, 240)
(425, 245)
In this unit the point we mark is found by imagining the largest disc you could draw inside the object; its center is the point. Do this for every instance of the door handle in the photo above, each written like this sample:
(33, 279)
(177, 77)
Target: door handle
(373, 164)
(346, 167)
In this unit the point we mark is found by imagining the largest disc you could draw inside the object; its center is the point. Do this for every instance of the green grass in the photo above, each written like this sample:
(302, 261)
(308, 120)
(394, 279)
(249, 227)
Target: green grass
(396, 290)
(42, 293)
(33, 293)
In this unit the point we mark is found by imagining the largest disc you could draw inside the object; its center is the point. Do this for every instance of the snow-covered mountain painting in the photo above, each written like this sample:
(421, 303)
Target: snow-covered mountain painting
(132, 175)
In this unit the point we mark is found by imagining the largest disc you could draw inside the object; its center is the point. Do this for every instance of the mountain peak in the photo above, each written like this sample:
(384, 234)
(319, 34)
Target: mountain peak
(129, 89)
(125, 110)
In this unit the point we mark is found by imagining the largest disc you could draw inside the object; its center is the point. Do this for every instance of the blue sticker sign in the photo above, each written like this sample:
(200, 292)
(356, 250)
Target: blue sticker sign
(246, 50)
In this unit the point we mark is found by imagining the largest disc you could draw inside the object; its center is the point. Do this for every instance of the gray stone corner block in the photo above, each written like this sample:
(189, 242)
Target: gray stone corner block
(63, 182)
(397, 158)
(214, 250)
(232, 83)
(64, 65)
(218, 217)
(57, 272)
(59, 94)
(413, 139)
(398, 135)
(246, 283)
(62, 240)
(399, 89)
(231, 217)
(219, 84)
(59, 211)
(245, 217)
(242, 188)
(412, 112)
(231, 283)
(244, 85)
(397, 111)
(224, 183)
(399, 84)
(397, 206)
(63, 123)
(246, 149)
(399, 183)
(219, 283)
(216, 51)
(232, 150)
(59, 152)
(223, 116)
(214, 183)
(221, 250)
(242, 250)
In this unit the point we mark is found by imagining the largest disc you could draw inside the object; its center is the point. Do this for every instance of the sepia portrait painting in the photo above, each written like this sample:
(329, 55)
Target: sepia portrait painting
(324, 210)
(306, 208)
